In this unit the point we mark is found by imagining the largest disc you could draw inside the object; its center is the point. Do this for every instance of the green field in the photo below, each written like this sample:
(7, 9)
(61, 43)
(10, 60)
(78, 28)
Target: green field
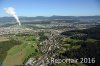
(17, 49)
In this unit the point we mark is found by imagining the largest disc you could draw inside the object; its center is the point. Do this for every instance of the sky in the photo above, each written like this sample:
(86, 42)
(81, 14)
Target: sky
(34, 8)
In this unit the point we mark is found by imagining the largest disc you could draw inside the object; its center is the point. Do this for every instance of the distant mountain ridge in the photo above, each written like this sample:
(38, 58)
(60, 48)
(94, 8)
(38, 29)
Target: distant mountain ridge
(39, 18)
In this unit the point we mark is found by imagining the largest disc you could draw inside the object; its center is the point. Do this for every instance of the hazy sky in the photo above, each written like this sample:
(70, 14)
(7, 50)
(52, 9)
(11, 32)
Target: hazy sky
(52, 7)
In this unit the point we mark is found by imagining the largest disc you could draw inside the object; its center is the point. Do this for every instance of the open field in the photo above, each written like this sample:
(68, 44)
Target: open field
(15, 59)
(5, 45)
(2, 38)
(18, 53)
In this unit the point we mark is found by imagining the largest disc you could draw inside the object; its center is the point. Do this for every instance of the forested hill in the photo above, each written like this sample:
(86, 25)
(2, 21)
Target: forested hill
(92, 33)
(82, 44)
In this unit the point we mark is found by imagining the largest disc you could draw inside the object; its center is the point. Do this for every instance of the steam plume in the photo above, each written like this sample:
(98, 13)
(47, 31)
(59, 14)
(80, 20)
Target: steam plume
(11, 11)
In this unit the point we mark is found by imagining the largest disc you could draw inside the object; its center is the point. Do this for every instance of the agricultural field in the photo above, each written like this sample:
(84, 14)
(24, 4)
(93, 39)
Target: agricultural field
(3, 38)
(19, 49)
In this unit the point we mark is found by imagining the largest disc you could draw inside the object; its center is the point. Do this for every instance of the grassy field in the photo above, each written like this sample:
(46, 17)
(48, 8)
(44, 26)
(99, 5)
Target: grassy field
(3, 38)
(5, 45)
(15, 59)
(18, 53)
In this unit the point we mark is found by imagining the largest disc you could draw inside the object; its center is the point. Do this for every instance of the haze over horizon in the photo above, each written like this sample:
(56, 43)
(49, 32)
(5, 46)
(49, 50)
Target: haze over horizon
(32, 8)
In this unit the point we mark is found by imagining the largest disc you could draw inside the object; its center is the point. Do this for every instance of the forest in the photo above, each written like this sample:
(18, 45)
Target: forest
(82, 44)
